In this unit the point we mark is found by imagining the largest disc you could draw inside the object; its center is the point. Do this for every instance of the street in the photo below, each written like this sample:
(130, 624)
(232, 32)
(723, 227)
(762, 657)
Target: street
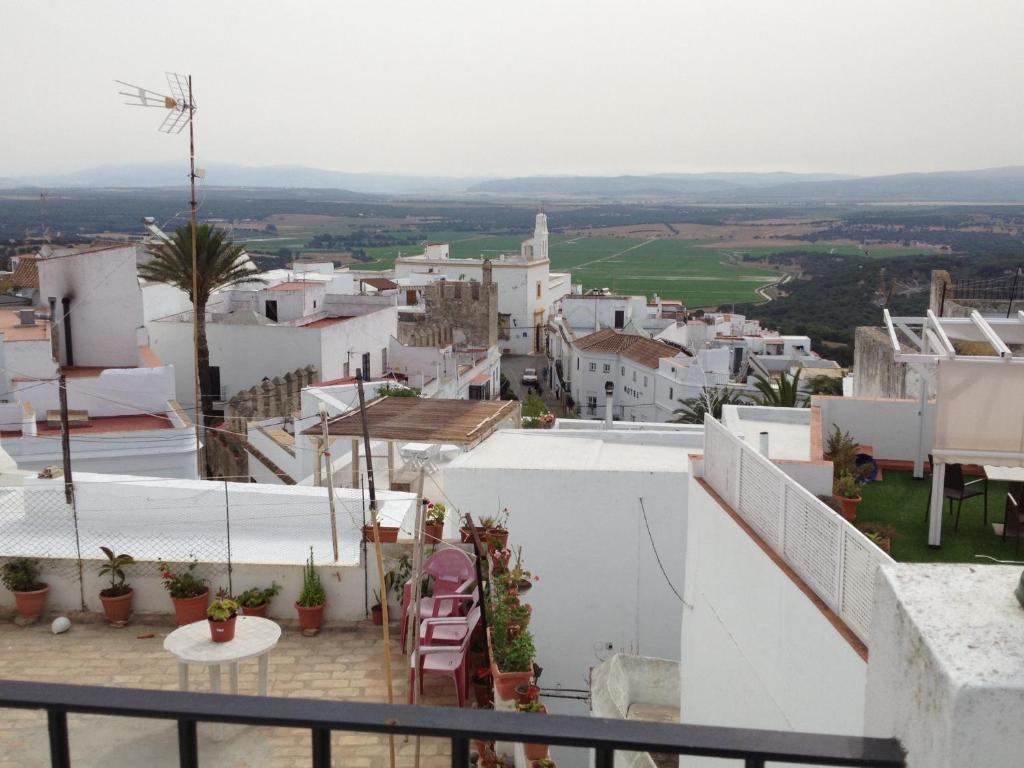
(512, 366)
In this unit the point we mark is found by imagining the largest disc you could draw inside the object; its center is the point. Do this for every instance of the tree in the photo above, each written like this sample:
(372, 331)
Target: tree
(826, 385)
(219, 263)
(786, 394)
(710, 400)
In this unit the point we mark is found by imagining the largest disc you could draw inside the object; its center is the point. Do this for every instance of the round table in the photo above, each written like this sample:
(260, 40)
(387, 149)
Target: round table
(192, 644)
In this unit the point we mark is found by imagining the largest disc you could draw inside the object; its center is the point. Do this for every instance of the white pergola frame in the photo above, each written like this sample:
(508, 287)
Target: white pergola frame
(930, 339)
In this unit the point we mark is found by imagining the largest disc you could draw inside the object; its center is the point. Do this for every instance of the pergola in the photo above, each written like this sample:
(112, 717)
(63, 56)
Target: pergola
(464, 423)
(979, 399)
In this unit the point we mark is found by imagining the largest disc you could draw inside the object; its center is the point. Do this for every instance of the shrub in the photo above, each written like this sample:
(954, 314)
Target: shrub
(21, 575)
(313, 593)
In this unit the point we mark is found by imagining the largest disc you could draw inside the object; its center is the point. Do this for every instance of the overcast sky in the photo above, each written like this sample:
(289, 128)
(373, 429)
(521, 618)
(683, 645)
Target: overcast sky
(517, 87)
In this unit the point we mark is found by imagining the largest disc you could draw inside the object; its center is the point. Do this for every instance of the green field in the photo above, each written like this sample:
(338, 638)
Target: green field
(874, 251)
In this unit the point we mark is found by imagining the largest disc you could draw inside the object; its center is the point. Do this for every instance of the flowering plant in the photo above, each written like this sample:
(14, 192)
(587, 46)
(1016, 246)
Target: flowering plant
(436, 513)
(183, 584)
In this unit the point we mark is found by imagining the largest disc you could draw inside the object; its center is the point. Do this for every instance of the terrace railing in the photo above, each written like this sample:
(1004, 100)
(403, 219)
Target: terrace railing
(833, 558)
(750, 748)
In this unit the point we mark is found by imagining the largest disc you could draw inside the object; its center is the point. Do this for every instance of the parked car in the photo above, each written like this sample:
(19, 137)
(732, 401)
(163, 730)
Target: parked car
(530, 377)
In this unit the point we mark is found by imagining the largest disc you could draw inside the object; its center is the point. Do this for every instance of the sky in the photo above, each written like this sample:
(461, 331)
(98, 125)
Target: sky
(522, 87)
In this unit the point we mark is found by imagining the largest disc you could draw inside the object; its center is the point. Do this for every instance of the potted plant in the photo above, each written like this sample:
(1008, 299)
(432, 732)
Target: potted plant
(544, 762)
(312, 600)
(527, 692)
(511, 663)
(117, 598)
(189, 593)
(879, 533)
(255, 601)
(222, 614)
(388, 534)
(847, 492)
(466, 533)
(534, 751)
(434, 525)
(21, 576)
(519, 575)
(483, 687)
(497, 533)
(499, 561)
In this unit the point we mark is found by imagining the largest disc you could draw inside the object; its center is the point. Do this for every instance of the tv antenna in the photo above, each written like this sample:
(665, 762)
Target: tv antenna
(181, 110)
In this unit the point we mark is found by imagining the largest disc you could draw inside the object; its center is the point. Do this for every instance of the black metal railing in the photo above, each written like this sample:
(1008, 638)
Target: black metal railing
(990, 291)
(321, 718)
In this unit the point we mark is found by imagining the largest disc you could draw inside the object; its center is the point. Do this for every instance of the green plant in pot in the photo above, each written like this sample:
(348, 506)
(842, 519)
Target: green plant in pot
(222, 614)
(312, 599)
(847, 492)
(117, 598)
(533, 751)
(880, 534)
(256, 601)
(188, 592)
(21, 576)
(434, 521)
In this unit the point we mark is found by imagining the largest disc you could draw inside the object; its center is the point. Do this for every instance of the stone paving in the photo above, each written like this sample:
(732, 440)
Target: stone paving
(343, 663)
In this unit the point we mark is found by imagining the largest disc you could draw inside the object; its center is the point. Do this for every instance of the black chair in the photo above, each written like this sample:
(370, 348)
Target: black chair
(955, 489)
(1013, 521)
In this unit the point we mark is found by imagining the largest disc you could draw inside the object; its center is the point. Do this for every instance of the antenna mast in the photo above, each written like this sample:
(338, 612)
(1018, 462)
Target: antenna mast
(181, 109)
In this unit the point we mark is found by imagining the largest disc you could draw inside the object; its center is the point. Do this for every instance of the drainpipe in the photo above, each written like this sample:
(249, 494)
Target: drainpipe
(69, 350)
(609, 400)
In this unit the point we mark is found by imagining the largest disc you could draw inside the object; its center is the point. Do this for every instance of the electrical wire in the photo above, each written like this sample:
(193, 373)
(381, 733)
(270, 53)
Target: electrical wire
(656, 555)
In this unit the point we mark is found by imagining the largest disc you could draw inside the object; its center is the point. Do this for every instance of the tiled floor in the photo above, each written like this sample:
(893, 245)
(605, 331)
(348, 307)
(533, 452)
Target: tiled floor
(340, 664)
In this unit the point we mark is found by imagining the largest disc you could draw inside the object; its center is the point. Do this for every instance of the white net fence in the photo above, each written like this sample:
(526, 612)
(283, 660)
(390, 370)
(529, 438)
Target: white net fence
(832, 557)
(218, 524)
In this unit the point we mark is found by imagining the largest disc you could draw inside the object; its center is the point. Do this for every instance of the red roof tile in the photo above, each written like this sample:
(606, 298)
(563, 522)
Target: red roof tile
(636, 348)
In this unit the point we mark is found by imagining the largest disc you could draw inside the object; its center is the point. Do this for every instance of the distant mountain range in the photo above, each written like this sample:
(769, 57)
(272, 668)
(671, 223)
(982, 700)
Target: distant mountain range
(993, 185)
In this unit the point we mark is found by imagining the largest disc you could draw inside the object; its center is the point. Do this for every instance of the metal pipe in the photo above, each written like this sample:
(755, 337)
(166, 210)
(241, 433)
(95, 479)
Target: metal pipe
(609, 404)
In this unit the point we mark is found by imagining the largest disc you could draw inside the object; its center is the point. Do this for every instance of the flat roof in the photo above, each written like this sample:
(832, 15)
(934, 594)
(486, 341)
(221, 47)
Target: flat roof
(13, 330)
(419, 420)
(323, 322)
(296, 285)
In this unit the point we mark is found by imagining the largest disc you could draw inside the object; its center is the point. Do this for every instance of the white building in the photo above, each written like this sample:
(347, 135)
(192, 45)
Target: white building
(121, 396)
(526, 286)
(262, 330)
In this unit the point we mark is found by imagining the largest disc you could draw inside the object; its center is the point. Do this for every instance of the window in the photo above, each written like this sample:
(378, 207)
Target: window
(314, 303)
(671, 396)
(593, 367)
(270, 310)
(607, 368)
(504, 320)
(591, 404)
(622, 370)
(645, 381)
(384, 361)
(366, 366)
(538, 289)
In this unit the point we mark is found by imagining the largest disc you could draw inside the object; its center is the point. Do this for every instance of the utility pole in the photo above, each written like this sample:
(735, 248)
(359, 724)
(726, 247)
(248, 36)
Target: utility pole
(200, 405)
(326, 452)
(379, 553)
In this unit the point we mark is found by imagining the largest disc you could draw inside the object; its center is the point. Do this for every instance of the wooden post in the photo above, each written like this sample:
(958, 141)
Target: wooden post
(330, 479)
(380, 556)
(391, 464)
(355, 463)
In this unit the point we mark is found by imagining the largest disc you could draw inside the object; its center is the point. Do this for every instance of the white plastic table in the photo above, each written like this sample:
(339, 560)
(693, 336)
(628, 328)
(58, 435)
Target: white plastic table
(1009, 474)
(192, 644)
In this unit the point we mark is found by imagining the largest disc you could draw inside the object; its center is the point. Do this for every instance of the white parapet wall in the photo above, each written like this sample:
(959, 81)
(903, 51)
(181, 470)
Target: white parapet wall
(890, 427)
(946, 674)
(759, 651)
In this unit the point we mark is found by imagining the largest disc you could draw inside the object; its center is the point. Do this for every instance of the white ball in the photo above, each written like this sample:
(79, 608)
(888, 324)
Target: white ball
(60, 624)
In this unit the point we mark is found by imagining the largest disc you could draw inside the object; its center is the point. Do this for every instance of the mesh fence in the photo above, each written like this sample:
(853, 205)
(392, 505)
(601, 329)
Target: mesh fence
(216, 524)
(832, 557)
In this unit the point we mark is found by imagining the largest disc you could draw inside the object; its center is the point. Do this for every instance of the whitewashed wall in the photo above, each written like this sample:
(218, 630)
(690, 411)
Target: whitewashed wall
(890, 427)
(756, 652)
(601, 590)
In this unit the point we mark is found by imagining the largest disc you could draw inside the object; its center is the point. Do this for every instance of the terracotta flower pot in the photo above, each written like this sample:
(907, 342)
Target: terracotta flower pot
(310, 618)
(499, 536)
(849, 505)
(434, 532)
(30, 604)
(222, 631)
(467, 535)
(117, 608)
(388, 535)
(535, 751)
(526, 693)
(259, 611)
(377, 614)
(189, 610)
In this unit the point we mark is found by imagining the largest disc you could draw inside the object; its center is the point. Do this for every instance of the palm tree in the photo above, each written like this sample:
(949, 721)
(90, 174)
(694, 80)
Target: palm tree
(219, 263)
(710, 400)
(786, 394)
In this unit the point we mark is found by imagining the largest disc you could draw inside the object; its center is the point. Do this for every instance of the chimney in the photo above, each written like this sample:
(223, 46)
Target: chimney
(609, 403)
(69, 350)
(762, 444)
(27, 316)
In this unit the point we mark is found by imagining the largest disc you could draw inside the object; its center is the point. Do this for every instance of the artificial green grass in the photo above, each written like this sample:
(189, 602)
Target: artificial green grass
(899, 501)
